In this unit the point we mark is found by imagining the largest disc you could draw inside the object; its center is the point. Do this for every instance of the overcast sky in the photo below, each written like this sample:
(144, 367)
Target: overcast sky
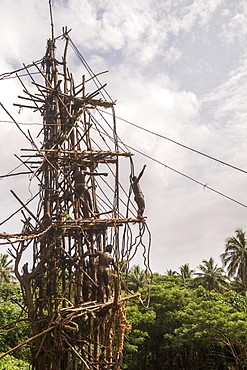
(177, 68)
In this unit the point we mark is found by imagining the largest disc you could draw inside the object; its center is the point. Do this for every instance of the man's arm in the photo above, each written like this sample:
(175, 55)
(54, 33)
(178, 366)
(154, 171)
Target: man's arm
(141, 173)
(114, 264)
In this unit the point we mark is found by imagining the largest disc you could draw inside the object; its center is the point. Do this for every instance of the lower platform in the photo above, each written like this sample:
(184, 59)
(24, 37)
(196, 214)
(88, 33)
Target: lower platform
(95, 224)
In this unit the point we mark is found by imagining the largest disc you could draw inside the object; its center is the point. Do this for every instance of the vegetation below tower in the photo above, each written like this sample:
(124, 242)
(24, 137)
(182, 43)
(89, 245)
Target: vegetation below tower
(195, 320)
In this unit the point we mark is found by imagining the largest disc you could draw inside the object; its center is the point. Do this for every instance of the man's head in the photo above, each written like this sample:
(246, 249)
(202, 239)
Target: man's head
(134, 178)
(109, 248)
(83, 167)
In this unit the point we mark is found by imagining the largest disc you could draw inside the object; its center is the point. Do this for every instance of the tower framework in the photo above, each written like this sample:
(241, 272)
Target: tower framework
(71, 327)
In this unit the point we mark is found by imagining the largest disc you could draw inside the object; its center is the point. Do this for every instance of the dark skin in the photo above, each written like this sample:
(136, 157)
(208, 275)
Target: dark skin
(138, 195)
(80, 179)
(81, 187)
(105, 260)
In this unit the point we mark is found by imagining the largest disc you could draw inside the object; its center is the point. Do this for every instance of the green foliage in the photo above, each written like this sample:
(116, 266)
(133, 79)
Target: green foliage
(137, 278)
(212, 326)
(140, 319)
(235, 257)
(211, 277)
(191, 323)
(13, 326)
(238, 286)
(11, 292)
(171, 273)
(11, 363)
(6, 269)
(187, 329)
(185, 271)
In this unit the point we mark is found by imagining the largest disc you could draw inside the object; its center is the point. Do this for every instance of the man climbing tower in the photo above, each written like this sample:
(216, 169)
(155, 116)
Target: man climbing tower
(139, 197)
(104, 262)
(82, 190)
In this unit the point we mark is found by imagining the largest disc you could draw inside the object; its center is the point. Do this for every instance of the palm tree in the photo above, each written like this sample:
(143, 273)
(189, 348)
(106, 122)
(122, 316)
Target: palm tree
(6, 269)
(238, 287)
(186, 272)
(137, 278)
(235, 256)
(171, 273)
(211, 276)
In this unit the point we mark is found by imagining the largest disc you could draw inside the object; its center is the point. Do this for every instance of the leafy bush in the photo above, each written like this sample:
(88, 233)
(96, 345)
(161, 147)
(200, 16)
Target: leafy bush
(14, 328)
(11, 363)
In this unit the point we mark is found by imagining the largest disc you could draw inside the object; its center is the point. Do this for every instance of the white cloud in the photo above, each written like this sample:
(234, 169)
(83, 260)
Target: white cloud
(236, 25)
(188, 16)
(22, 23)
(229, 97)
(159, 55)
(172, 55)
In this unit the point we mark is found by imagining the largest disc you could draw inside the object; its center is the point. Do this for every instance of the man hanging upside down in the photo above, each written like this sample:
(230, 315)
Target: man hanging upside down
(139, 197)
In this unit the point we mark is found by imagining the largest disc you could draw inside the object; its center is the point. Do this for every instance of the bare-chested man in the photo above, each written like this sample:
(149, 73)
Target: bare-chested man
(104, 262)
(81, 188)
(139, 197)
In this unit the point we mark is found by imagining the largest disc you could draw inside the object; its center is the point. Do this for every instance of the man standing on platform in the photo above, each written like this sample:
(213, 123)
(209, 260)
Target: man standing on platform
(81, 188)
(105, 259)
(139, 197)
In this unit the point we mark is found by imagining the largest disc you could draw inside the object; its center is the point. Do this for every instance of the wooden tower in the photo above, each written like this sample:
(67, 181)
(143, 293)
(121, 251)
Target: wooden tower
(71, 329)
